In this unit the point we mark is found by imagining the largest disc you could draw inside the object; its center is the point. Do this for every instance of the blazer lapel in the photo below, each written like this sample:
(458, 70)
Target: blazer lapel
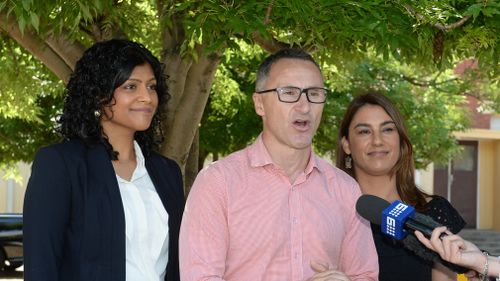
(102, 175)
(163, 184)
(101, 169)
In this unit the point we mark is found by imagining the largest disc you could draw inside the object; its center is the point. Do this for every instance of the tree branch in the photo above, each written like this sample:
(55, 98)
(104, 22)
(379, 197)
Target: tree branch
(423, 83)
(36, 46)
(270, 45)
(382, 74)
(269, 11)
(453, 25)
(69, 51)
(101, 32)
(439, 26)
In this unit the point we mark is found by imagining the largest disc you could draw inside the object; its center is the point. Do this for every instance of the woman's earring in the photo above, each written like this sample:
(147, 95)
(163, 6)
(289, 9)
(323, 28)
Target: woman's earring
(97, 113)
(348, 161)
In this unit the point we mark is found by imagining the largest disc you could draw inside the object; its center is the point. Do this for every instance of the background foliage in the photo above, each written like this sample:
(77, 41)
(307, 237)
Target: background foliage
(404, 48)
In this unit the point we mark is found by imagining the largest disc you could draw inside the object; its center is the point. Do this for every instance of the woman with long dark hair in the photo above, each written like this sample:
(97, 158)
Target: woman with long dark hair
(374, 148)
(102, 204)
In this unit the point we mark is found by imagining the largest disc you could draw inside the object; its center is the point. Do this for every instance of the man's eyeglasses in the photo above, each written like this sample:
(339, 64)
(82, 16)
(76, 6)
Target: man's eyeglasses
(292, 94)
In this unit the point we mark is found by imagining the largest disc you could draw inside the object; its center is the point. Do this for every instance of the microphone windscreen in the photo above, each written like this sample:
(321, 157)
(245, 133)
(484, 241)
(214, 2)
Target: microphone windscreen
(426, 220)
(412, 244)
(371, 207)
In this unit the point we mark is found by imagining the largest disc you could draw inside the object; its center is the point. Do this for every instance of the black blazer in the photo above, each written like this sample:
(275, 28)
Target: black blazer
(74, 222)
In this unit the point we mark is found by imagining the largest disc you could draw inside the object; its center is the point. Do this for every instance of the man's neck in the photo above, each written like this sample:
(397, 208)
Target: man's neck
(291, 161)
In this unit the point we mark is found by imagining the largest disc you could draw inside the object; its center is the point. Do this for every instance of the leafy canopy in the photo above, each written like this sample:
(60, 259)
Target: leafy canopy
(404, 48)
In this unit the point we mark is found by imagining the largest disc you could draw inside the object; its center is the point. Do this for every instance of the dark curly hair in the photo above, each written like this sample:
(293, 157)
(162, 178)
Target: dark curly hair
(103, 68)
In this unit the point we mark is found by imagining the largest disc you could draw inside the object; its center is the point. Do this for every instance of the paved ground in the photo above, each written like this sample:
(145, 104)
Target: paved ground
(485, 239)
(12, 276)
(488, 240)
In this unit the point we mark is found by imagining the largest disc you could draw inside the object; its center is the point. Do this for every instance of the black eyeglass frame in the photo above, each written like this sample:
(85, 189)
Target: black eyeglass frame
(302, 91)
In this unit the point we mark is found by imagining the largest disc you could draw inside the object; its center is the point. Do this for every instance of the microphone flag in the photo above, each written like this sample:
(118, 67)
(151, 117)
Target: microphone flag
(394, 218)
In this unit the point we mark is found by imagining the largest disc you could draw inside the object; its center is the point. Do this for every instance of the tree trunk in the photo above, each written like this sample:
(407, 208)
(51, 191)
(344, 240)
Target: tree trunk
(192, 167)
(189, 85)
(202, 156)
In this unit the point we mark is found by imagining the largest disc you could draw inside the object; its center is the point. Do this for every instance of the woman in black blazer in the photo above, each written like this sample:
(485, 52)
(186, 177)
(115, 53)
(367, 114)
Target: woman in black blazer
(102, 205)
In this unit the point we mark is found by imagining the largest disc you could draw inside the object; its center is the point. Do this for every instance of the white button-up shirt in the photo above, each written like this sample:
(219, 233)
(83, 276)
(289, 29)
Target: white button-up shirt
(146, 223)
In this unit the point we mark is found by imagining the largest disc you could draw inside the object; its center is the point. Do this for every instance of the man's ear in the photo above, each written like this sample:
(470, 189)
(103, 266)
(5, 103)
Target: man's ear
(258, 104)
(345, 145)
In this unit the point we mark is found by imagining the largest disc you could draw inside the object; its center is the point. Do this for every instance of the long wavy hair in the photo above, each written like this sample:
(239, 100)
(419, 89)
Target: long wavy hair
(404, 170)
(103, 68)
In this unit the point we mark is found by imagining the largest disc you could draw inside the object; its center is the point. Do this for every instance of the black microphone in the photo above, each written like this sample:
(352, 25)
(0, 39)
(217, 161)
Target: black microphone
(399, 220)
(396, 219)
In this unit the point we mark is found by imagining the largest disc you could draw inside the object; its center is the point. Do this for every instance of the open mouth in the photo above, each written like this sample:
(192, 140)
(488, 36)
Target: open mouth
(301, 124)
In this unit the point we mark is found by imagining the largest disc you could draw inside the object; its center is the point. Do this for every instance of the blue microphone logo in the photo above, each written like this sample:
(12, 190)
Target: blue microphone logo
(394, 217)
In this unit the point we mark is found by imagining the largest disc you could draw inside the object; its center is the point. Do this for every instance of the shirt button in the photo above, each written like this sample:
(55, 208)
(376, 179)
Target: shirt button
(295, 221)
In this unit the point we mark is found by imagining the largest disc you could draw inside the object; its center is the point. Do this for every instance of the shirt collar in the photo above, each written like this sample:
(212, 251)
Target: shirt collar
(140, 169)
(139, 157)
(259, 156)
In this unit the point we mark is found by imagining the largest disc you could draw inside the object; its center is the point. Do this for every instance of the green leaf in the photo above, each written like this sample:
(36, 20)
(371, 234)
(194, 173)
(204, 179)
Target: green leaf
(474, 10)
(98, 5)
(35, 21)
(85, 10)
(26, 4)
(372, 25)
(490, 11)
(22, 24)
(77, 19)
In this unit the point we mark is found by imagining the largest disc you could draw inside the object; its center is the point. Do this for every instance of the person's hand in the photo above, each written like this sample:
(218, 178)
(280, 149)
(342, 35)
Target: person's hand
(324, 272)
(454, 248)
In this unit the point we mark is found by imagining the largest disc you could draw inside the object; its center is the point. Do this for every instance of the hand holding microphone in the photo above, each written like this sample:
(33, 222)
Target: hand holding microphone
(457, 250)
(452, 247)
(400, 221)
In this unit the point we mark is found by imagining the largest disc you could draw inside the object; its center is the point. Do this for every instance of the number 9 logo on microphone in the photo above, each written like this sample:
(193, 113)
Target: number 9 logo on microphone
(394, 217)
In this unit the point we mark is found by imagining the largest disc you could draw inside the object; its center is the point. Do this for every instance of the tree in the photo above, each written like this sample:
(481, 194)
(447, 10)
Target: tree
(433, 105)
(192, 36)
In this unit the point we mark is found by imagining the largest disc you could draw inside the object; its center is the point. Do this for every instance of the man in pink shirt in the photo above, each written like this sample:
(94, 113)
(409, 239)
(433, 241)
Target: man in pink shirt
(275, 210)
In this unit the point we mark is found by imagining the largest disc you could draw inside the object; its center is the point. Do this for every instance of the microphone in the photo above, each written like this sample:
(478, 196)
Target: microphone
(397, 220)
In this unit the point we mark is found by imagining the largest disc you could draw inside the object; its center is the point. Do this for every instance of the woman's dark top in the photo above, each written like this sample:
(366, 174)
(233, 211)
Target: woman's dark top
(397, 263)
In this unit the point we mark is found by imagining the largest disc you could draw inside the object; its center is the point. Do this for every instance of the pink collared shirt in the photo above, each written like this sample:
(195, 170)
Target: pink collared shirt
(245, 221)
